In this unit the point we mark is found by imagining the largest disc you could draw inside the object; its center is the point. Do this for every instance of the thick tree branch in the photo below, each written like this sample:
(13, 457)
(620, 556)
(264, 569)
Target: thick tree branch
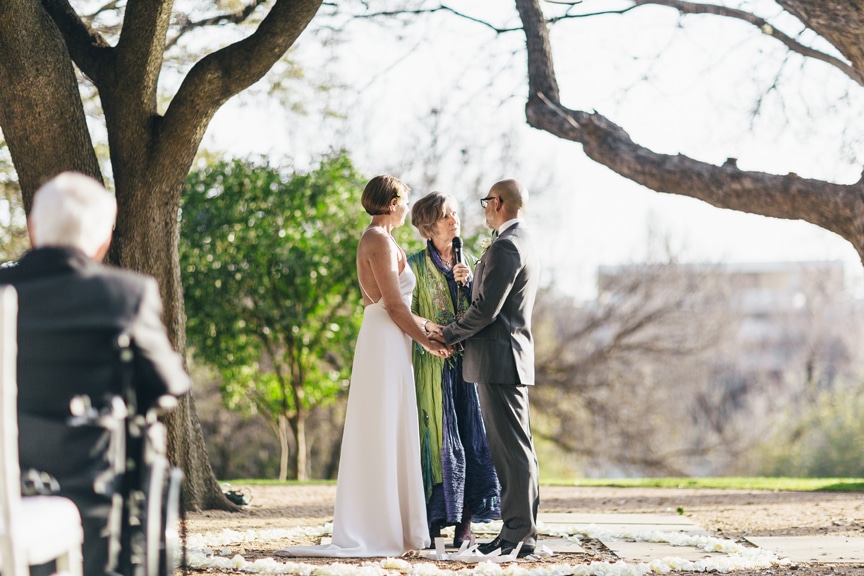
(840, 23)
(541, 70)
(40, 109)
(835, 207)
(221, 75)
(88, 49)
(826, 204)
(139, 56)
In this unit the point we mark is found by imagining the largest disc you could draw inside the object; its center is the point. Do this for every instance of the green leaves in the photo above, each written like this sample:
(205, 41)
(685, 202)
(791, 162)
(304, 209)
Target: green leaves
(268, 269)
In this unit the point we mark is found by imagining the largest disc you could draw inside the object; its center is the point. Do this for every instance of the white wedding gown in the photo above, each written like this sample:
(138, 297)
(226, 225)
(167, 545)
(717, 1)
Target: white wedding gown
(380, 501)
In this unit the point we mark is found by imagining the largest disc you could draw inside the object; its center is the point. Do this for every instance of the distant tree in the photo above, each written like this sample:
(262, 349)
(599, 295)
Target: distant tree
(822, 439)
(243, 445)
(679, 369)
(619, 376)
(271, 295)
(240, 445)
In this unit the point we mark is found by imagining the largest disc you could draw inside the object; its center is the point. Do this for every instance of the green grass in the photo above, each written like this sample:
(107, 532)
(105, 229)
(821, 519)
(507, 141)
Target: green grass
(727, 483)
(721, 483)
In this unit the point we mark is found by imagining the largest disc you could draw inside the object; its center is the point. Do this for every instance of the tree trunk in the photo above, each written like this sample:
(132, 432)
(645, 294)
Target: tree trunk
(187, 449)
(40, 109)
(284, 449)
(146, 238)
(298, 425)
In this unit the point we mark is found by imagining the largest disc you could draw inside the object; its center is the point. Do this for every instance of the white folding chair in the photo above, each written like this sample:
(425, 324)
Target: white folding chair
(33, 529)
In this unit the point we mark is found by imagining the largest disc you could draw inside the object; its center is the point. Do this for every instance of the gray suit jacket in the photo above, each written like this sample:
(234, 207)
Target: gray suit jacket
(496, 329)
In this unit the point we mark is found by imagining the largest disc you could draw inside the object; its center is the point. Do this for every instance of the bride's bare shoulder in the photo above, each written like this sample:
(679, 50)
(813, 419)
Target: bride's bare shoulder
(374, 240)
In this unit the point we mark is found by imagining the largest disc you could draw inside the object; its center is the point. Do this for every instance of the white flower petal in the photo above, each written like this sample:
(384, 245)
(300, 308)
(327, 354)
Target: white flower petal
(726, 555)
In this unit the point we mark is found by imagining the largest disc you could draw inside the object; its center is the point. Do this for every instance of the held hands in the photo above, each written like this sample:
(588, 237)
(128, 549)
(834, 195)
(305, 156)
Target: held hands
(435, 331)
(438, 348)
(436, 340)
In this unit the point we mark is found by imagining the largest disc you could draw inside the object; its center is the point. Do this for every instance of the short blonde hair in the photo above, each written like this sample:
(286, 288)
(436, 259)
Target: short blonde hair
(73, 211)
(380, 192)
(428, 210)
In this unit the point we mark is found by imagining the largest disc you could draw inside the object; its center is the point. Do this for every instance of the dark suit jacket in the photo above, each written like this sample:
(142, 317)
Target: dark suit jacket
(70, 313)
(499, 347)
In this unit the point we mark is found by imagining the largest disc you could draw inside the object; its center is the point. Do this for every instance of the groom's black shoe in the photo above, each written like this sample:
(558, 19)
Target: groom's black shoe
(506, 547)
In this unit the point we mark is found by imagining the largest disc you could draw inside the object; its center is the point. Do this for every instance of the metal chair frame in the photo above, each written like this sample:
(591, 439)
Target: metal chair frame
(146, 489)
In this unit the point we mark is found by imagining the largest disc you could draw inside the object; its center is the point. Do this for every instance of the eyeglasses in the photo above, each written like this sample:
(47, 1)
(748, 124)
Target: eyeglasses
(485, 201)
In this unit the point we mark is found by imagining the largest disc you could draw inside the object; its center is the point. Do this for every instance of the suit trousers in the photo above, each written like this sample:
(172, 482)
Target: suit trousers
(508, 430)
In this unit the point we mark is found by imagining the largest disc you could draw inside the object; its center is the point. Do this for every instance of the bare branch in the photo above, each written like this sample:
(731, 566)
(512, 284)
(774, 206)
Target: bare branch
(773, 89)
(764, 26)
(237, 17)
(222, 74)
(570, 16)
(111, 5)
(441, 8)
(789, 197)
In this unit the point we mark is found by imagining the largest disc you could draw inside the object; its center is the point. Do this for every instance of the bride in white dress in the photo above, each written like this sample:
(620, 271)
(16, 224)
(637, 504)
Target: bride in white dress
(380, 500)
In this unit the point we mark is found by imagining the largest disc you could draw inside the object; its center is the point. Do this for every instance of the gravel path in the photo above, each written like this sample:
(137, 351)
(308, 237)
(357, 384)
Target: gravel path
(731, 514)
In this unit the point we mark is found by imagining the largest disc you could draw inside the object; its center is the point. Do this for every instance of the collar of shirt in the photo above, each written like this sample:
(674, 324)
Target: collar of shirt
(508, 224)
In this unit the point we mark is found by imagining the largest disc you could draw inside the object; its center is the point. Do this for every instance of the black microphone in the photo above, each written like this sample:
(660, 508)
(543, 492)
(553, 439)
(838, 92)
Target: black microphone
(457, 251)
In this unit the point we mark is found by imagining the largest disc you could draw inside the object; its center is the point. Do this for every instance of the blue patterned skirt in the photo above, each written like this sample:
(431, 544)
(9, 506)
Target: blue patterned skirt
(469, 479)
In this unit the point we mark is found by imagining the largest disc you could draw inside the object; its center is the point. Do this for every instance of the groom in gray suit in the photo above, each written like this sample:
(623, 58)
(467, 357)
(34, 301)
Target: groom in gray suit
(499, 357)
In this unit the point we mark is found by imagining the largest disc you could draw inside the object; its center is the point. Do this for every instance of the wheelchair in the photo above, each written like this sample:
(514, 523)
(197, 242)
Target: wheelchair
(144, 539)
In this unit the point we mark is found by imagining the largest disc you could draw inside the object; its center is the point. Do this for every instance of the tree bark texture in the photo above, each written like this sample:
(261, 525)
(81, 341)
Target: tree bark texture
(40, 109)
(835, 207)
(42, 119)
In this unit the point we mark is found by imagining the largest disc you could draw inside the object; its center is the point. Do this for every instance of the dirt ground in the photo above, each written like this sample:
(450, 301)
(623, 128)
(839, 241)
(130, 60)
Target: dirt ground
(731, 514)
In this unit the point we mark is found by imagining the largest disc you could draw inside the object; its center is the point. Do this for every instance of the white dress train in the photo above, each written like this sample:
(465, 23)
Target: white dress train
(380, 500)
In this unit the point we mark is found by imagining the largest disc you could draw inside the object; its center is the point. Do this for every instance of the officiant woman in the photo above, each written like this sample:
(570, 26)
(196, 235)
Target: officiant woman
(458, 473)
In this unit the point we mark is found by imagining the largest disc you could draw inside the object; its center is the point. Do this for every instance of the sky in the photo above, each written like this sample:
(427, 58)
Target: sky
(685, 86)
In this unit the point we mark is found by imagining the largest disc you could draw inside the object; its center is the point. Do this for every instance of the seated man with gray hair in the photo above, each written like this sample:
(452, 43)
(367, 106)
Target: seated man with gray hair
(72, 311)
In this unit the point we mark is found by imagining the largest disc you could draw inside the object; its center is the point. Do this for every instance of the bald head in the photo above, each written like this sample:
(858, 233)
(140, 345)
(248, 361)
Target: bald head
(507, 199)
(514, 197)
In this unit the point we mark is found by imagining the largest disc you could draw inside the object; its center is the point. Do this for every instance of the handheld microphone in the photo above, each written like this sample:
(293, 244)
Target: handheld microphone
(457, 251)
